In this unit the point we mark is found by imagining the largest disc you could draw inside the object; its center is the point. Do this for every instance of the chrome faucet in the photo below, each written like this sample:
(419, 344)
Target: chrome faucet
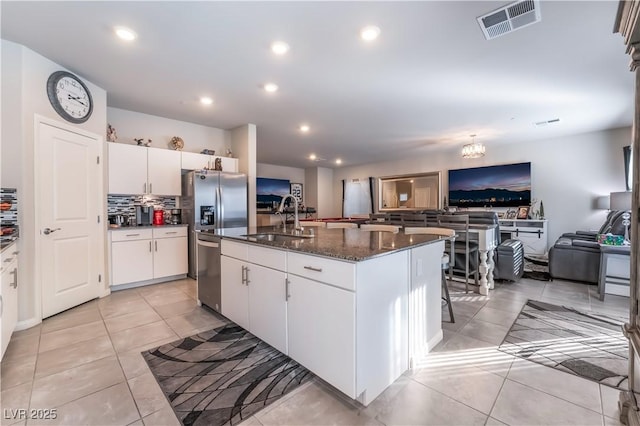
(296, 222)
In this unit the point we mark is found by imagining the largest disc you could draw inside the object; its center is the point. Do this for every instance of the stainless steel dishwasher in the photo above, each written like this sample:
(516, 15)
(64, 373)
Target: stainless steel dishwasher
(209, 275)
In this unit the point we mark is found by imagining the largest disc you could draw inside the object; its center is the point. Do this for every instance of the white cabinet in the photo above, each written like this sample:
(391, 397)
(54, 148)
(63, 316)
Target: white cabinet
(532, 233)
(235, 294)
(9, 296)
(195, 161)
(321, 325)
(148, 254)
(140, 170)
(254, 295)
(170, 252)
(131, 256)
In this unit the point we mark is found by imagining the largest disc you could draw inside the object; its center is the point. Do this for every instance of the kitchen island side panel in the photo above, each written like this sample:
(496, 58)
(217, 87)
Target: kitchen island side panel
(382, 336)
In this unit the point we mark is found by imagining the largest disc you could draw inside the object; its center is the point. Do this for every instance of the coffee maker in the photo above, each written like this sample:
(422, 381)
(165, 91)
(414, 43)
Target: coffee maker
(144, 215)
(176, 216)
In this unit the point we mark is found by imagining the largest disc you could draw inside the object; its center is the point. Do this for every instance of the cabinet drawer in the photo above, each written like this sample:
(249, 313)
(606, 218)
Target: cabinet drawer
(335, 272)
(132, 234)
(180, 231)
(9, 255)
(271, 258)
(237, 250)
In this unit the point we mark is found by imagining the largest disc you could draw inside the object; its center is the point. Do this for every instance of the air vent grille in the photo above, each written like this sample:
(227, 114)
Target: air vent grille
(509, 18)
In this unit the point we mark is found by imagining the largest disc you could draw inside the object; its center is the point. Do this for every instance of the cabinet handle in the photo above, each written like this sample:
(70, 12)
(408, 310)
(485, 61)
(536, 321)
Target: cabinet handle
(246, 280)
(15, 253)
(144, 191)
(149, 246)
(131, 235)
(14, 284)
(8, 260)
(286, 289)
(174, 232)
(150, 188)
(243, 276)
(156, 244)
(1, 305)
(311, 268)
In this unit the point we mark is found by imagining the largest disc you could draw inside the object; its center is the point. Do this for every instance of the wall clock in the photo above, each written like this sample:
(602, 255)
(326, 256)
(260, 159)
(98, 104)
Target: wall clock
(69, 97)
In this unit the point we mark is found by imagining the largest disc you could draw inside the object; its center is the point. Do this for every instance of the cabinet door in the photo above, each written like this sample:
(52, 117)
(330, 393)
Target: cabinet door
(131, 261)
(9, 303)
(321, 330)
(195, 161)
(127, 169)
(268, 305)
(170, 257)
(235, 294)
(228, 164)
(164, 173)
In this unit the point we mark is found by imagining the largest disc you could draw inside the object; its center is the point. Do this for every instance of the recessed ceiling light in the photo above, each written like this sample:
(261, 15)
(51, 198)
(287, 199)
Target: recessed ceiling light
(312, 157)
(338, 161)
(370, 33)
(205, 100)
(304, 128)
(125, 33)
(279, 47)
(271, 87)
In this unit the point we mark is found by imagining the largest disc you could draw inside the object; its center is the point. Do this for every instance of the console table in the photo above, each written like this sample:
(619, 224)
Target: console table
(614, 270)
(532, 233)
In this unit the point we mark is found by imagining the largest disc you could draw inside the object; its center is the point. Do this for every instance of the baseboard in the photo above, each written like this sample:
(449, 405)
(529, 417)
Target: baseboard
(28, 323)
(435, 340)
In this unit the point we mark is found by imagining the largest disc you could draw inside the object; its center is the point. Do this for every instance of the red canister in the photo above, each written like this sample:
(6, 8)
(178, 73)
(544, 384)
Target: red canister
(158, 217)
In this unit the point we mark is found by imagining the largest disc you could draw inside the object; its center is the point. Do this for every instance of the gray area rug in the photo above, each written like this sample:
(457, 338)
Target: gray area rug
(222, 376)
(536, 268)
(586, 344)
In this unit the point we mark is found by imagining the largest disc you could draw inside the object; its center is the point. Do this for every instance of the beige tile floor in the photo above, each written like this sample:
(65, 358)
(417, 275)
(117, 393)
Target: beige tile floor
(86, 364)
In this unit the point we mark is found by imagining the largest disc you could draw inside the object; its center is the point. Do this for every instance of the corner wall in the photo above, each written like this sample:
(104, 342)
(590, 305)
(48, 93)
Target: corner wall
(243, 144)
(567, 173)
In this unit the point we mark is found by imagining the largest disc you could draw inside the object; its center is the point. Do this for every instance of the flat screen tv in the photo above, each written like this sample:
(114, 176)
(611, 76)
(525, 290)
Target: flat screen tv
(508, 185)
(270, 190)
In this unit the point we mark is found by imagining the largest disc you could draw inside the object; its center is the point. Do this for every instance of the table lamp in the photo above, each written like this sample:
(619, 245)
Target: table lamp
(622, 201)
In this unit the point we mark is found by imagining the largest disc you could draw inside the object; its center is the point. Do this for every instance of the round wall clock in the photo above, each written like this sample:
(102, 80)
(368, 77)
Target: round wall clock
(69, 96)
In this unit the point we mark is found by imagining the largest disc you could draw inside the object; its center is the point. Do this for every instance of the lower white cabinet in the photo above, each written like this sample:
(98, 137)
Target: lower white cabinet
(253, 297)
(321, 326)
(9, 296)
(148, 254)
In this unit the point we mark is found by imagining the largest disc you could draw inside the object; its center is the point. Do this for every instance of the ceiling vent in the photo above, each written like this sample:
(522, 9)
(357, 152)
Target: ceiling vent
(510, 18)
(544, 123)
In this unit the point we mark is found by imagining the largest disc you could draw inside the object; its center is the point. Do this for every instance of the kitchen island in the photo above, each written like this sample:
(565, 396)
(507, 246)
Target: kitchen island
(355, 307)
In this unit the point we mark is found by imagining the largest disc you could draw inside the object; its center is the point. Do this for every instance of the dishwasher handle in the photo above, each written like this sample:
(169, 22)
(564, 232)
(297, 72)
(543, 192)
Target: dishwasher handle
(208, 244)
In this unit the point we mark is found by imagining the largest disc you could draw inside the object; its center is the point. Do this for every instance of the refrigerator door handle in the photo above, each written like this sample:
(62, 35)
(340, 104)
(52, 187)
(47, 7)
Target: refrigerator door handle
(221, 207)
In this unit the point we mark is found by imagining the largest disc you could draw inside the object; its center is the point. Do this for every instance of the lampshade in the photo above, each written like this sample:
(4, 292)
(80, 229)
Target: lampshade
(620, 200)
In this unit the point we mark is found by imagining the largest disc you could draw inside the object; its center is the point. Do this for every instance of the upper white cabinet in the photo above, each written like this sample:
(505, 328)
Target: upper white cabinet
(195, 161)
(139, 170)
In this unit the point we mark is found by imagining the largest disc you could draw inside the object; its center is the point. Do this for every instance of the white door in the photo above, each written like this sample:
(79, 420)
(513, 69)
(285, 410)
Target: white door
(69, 199)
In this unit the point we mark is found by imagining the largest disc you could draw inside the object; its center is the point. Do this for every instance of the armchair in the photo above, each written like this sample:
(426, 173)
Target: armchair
(576, 256)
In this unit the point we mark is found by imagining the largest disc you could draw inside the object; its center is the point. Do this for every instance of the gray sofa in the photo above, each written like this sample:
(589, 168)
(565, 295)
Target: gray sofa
(576, 256)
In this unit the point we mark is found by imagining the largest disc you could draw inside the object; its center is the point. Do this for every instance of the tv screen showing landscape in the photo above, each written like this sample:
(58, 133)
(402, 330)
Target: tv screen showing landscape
(269, 190)
(507, 185)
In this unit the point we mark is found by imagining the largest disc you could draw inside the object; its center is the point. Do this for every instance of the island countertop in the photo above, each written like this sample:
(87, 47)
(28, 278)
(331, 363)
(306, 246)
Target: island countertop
(346, 244)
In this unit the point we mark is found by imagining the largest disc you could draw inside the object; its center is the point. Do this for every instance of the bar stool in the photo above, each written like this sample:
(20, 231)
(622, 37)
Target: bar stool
(343, 225)
(444, 261)
(468, 247)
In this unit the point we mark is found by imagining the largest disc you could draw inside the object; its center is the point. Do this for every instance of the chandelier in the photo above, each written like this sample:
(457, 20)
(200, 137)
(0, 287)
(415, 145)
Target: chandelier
(473, 149)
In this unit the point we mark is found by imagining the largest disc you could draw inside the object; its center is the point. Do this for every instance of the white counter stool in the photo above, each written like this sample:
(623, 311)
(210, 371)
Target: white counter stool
(343, 225)
(375, 227)
(444, 261)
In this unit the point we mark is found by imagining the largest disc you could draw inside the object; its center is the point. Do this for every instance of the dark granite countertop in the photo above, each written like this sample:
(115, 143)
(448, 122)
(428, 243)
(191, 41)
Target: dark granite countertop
(128, 228)
(345, 244)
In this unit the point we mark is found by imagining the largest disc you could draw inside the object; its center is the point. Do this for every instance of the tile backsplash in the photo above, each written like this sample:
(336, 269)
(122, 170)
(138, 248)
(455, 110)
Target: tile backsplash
(8, 214)
(125, 204)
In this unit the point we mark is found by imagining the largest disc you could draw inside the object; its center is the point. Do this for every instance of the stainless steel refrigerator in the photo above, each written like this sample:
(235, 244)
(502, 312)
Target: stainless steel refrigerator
(212, 200)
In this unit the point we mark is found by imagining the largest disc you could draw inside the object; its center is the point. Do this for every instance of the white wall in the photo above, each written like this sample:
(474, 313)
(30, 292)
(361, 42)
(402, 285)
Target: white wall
(31, 71)
(567, 173)
(243, 143)
(131, 124)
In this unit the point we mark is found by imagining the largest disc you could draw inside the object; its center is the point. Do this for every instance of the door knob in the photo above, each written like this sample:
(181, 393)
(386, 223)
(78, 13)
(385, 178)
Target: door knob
(47, 231)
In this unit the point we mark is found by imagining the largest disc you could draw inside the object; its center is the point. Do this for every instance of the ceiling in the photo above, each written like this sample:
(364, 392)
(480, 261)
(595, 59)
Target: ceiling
(428, 82)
